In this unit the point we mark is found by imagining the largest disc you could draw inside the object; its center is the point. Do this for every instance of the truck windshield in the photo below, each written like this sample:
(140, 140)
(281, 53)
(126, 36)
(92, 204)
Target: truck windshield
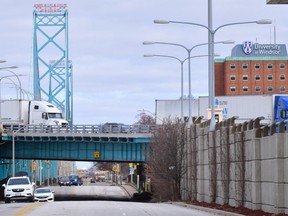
(55, 115)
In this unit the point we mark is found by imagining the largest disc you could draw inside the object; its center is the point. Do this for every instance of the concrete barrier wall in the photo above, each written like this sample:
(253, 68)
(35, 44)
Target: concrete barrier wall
(237, 165)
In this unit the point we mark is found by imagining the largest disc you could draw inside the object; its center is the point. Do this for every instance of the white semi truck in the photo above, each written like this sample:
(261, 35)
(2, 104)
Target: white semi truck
(27, 112)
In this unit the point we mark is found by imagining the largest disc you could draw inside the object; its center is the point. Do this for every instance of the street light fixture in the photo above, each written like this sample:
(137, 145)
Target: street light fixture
(212, 33)
(181, 62)
(24, 92)
(8, 77)
(12, 82)
(5, 68)
(14, 74)
(189, 66)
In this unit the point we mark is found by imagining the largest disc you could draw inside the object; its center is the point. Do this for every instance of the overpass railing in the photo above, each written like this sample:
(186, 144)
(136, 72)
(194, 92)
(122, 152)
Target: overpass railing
(83, 129)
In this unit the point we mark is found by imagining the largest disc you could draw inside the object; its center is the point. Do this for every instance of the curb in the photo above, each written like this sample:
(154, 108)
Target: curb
(129, 192)
(216, 211)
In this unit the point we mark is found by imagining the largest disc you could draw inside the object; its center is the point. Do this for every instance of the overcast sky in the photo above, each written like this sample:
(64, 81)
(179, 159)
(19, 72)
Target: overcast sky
(112, 79)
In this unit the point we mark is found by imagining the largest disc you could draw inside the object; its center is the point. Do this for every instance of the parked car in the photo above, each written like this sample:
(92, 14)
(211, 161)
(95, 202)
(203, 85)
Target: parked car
(75, 180)
(64, 181)
(44, 195)
(19, 188)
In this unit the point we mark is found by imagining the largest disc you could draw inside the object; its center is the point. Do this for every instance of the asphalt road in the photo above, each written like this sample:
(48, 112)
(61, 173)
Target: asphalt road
(95, 199)
(99, 192)
(103, 208)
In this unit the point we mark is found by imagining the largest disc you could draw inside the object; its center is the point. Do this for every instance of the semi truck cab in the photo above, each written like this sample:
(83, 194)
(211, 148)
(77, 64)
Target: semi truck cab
(42, 112)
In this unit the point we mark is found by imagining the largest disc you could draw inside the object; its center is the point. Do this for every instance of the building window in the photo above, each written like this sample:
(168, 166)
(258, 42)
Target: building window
(282, 89)
(270, 66)
(232, 88)
(257, 77)
(232, 77)
(245, 77)
(282, 77)
(245, 88)
(257, 66)
(282, 66)
(232, 66)
(270, 77)
(257, 89)
(270, 89)
(244, 66)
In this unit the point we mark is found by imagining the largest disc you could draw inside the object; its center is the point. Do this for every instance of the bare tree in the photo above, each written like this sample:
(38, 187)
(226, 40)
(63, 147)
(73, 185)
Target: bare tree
(165, 166)
(144, 118)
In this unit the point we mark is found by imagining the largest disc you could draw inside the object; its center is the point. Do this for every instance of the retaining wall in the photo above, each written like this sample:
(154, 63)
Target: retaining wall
(240, 165)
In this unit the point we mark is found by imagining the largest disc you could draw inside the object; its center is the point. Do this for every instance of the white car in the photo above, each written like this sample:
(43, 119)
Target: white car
(44, 195)
(19, 188)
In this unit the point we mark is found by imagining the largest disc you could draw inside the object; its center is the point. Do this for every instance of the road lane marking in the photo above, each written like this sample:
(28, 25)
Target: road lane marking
(26, 209)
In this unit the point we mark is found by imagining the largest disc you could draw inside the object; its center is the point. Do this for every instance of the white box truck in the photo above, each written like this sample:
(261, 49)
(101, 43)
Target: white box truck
(24, 112)
(274, 107)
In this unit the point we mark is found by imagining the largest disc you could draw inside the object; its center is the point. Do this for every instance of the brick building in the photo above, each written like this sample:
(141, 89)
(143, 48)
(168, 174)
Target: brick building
(252, 69)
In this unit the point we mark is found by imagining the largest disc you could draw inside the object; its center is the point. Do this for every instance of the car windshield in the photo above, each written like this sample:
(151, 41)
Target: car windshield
(64, 179)
(18, 181)
(43, 190)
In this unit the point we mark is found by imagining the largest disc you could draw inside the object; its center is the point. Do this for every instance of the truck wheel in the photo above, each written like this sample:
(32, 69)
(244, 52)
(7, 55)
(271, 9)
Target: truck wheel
(7, 200)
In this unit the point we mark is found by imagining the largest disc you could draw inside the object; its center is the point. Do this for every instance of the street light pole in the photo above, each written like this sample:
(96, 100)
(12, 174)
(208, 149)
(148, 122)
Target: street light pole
(13, 150)
(182, 88)
(1, 78)
(211, 71)
(189, 67)
(24, 92)
(182, 79)
(12, 82)
(17, 76)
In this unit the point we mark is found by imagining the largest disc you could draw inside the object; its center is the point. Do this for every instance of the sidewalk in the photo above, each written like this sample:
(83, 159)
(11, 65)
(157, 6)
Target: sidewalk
(216, 211)
(130, 189)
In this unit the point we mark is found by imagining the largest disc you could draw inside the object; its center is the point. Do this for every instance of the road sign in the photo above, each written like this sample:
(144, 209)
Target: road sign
(97, 155)
(131, 169)
(116, 168)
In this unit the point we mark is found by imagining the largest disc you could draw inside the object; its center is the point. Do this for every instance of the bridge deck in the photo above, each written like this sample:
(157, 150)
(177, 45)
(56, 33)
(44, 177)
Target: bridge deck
(121, 147)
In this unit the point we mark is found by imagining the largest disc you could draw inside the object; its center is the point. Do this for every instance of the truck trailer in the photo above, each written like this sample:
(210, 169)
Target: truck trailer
(29, 112)
(274, 107)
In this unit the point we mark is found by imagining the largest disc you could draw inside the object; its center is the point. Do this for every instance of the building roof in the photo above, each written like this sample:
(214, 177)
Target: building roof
(249, 51)
(277, 1)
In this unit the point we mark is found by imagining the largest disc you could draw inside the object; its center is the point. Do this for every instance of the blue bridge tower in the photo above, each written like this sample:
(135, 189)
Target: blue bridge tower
(52, 68)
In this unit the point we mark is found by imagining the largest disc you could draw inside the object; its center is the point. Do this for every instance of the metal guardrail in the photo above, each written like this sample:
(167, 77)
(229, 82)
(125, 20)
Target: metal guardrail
(81, 129)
